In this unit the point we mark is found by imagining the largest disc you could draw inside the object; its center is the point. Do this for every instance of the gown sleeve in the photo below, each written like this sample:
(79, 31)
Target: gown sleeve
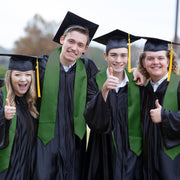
(4, 126)
(97, 113)
(171, 125)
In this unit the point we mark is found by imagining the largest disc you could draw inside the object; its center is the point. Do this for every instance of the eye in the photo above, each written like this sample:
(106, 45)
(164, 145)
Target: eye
(160, 58)
(123, 55)
(70, 41)
(81, 45)
(17, 75)
(149, 58)
(113, 55)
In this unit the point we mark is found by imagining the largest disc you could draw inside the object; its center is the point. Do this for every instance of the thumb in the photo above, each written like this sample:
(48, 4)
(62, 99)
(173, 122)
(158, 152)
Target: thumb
(157, 103)
(111, 71)
(7, 102)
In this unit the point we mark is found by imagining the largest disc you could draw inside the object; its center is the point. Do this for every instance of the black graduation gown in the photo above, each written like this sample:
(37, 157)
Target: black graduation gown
(22, 160)
(63, 157)
(103, 117)
(157, 165)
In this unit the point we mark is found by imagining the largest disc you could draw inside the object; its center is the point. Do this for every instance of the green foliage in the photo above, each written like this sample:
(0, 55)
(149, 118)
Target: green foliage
(2, 71)
(96, 54)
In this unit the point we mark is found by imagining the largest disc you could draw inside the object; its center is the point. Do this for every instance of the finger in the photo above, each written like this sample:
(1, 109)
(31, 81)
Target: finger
(7, 102)
(157, 103)
(134, 71)
(139, 83)
(111, 71)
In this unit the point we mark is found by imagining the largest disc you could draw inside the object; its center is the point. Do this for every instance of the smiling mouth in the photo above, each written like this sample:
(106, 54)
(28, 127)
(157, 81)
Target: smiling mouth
(156, 68)
(118, 65)
(72, 53)
(22, 86)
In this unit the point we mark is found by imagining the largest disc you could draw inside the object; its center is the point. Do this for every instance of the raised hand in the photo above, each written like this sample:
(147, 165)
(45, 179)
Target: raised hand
(9, 111)
(156, 113)
(141, 79)
(111, 83)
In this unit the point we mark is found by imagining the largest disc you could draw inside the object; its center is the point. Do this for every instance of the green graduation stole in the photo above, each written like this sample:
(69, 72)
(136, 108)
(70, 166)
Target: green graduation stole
(5, 153)
(134, 124)
(49, 101)
(171, 103)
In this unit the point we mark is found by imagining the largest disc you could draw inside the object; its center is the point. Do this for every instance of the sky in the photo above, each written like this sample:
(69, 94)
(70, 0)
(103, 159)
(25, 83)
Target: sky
(152, 18)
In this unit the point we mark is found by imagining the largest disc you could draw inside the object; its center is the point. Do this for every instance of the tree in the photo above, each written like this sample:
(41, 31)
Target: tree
(96, 54)
(38, 39)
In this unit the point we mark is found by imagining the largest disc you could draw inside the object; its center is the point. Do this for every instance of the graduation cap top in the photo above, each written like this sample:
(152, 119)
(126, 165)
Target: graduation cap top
(116, 39)
(20, 62)
(75, 20)
(155, 44)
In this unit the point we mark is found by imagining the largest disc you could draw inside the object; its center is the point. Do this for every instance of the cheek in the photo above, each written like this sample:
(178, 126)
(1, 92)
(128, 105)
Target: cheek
(14, 81)
(126, 61)
(29, 79)
(145, 64)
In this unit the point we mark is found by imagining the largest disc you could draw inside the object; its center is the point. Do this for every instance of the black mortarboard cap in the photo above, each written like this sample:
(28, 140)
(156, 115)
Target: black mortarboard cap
(116, 39)
(155, 44)
(75, 20)
(21, 62)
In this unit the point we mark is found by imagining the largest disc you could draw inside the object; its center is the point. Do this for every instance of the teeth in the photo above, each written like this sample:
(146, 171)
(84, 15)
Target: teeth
(22, 85)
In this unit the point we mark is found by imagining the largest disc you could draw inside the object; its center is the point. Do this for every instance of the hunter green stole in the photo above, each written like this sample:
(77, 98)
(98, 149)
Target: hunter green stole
(171, 104)
(5, 153)
(134, 124)
(49, 100)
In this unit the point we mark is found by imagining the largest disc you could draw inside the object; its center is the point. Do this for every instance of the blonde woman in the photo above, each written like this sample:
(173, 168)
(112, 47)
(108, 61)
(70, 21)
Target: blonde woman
(18, 119)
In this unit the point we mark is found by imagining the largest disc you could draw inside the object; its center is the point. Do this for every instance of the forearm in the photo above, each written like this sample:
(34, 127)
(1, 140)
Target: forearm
(170, 127)
(97, 114)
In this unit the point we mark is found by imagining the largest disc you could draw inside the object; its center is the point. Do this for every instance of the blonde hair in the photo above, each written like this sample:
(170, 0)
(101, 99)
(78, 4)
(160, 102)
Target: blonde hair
(146, 74)
(30, 96)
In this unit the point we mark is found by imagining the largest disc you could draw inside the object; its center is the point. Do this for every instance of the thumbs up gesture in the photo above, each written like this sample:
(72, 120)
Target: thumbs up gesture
(9, 111)
(110, 71)
(111, 83)
(156, 113)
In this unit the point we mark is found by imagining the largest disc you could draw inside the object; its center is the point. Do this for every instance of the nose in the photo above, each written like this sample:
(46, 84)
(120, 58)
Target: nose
(23, 78)
(118, 59)
(74, 47)
(156, 61)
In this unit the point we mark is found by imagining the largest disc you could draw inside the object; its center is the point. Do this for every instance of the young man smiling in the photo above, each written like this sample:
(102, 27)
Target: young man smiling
(62, 128)
(113, 114)
(161, 111)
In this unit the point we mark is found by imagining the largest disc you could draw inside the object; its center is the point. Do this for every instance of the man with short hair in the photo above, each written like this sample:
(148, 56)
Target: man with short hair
(113, 114)
(62, 128)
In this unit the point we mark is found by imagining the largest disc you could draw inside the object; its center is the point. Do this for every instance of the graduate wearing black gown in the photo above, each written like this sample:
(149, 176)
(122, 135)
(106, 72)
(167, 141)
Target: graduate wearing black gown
(18, 133)
(61, 155)
(110, 153)
(161, 119)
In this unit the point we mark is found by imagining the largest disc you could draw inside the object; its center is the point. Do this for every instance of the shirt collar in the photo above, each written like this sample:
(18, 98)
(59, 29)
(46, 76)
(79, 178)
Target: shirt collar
(66, 68)
(156, 85)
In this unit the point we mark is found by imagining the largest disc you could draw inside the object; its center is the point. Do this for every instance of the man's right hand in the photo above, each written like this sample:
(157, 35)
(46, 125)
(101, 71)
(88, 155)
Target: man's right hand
(111, 83)
(141, 79)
